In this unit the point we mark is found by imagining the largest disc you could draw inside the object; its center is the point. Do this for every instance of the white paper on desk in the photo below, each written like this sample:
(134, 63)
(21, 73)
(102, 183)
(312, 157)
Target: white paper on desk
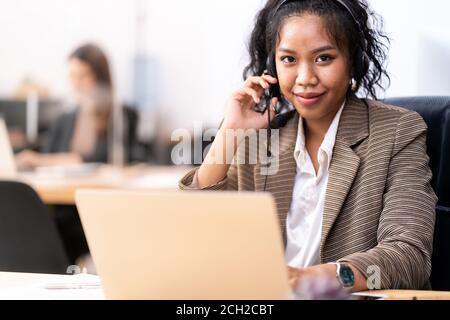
(76, 287)
(71, 170)
(78, 281)
(33, 293)
(156, 181)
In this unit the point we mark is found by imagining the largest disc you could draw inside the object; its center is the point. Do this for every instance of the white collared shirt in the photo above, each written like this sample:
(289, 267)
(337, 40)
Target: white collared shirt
(304, 220)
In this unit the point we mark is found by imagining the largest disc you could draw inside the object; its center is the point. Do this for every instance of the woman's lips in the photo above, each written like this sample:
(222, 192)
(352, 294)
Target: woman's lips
(309, 99)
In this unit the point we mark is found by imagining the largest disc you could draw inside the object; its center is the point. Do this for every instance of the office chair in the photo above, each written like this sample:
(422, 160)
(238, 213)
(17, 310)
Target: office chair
(436, 113)
(29, 240)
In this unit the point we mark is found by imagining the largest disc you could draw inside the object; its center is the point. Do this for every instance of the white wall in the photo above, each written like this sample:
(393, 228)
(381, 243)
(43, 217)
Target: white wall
(420, 49)
(36, 38)
(197, 47)
(200, 46)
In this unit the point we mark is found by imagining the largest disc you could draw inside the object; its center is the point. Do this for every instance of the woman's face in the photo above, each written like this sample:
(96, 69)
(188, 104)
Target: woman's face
(313, 73)
(82, 79)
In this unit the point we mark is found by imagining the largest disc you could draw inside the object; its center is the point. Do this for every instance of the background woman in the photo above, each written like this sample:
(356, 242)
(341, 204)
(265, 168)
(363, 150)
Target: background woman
(83, 134)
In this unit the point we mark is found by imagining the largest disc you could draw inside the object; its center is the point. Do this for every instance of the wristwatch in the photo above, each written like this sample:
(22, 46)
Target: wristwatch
(345, 275)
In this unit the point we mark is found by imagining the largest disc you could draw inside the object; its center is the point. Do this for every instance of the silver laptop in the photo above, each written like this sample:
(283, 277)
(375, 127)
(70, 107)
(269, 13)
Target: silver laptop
(8, 167)
(185, 245)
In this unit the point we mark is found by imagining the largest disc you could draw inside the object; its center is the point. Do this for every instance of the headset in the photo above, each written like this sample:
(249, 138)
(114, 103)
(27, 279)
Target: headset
(285, 112)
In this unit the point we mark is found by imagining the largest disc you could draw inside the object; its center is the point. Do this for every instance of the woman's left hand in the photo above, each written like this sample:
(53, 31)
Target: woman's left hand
(324, 274)
(296, 276)
(317, 283)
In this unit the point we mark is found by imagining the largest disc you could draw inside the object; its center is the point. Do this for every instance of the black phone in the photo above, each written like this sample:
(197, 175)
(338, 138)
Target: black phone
(273, 91)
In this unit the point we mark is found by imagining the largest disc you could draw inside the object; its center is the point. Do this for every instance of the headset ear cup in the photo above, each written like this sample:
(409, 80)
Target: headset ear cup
(270, 66)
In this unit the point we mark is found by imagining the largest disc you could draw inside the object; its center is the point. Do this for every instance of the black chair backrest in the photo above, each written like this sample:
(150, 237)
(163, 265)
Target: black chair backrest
(29, 239)
(436, 113)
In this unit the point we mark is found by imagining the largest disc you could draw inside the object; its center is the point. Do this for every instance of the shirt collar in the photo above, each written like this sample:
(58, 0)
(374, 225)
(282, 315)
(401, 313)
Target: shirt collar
(327, 145)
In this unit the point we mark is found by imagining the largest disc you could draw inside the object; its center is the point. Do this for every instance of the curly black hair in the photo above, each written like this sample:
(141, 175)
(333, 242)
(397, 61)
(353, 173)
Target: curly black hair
(341, 27)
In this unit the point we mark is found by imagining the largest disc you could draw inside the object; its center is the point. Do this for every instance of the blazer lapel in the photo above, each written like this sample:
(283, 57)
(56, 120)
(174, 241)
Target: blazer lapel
(353, 128)
(281, 184)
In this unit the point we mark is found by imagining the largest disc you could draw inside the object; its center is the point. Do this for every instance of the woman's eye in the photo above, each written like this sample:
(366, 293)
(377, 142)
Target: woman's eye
(288, 59)
(324, 58)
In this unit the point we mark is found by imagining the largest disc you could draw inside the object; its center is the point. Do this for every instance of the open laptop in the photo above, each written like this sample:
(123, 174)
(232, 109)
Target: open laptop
(8, 167)
(185, 245)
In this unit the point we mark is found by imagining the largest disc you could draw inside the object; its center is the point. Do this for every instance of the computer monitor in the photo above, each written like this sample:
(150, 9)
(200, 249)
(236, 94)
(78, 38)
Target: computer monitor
(14, 113)
(33, 117)
(7, 164)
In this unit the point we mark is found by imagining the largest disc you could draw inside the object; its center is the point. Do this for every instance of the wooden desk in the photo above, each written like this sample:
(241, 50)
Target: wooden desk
(405, 295)
(56, 188)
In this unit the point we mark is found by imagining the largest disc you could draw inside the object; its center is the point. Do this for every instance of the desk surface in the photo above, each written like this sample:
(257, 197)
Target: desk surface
(28, 286)
(59, 188)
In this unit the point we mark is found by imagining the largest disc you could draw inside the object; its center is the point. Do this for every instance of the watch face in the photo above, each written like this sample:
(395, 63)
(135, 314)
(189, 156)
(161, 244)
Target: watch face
(346, 275)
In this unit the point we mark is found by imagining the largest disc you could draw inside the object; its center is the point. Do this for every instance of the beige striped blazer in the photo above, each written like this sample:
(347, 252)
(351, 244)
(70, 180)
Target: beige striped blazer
(380, 207)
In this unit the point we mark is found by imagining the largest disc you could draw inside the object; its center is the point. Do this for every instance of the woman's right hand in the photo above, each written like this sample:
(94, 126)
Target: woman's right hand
(240, 114)
(240, 110)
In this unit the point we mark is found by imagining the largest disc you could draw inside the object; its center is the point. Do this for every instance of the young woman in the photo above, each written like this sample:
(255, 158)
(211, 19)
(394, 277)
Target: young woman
(82, 135)
(353, 184)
